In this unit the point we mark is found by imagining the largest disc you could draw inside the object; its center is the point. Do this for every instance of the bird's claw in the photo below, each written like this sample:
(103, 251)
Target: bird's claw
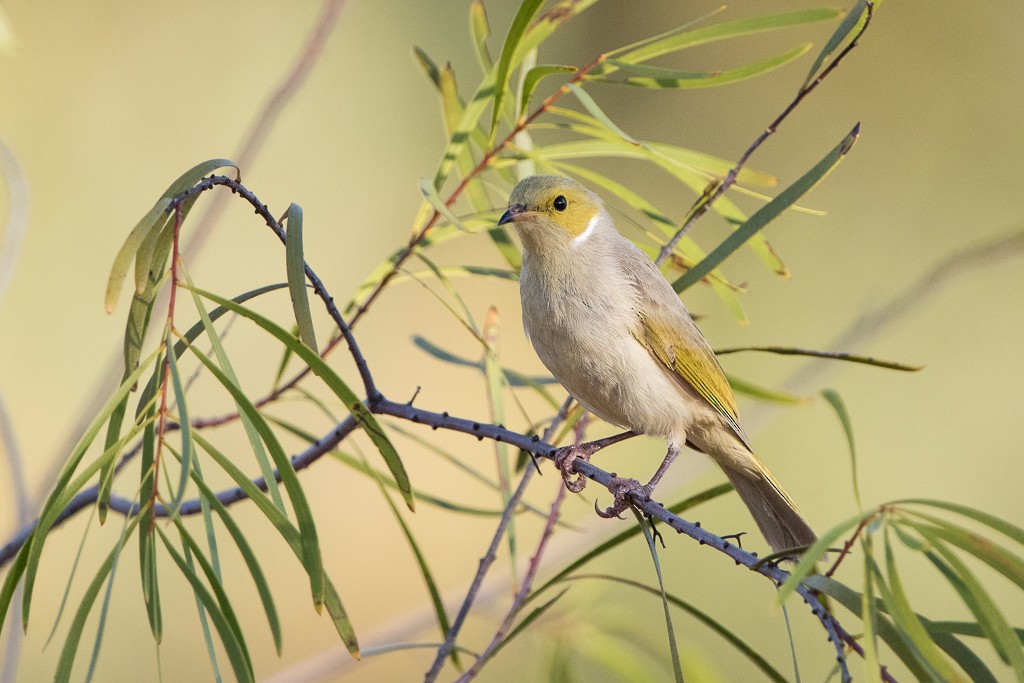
(564, 460)
(622, 489)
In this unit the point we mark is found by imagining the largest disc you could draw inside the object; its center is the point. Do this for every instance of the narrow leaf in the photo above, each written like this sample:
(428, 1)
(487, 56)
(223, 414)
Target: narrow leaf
(832, 355)
(769, 212)
(296, 267)
(836, 401)
(850, 22)
(533, 78)
(520, 22)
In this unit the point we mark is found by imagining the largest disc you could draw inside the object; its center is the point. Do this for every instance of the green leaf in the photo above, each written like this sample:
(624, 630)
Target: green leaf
(296, 267)
(521, 627)
(658, 77)
(908, 622)
(674, 41)
(153, 219)
(74, 635)
(853, 20)
(481, 29)
(229, 637)
(421, 560)
(591, 106)
(533, 78)
(311, 557)
(836, 401)
(251, 433)
(185, 429)
(520, 22)
(670, 631)
(877, 624)
(742, 386)
(435, 201)
(977, 599)
(769, 212)
(1000, 525)
(832, 355)
(64, 488)
(291, 535)
(730, 637)
(334, 382)
(806, 566)
(255, 571)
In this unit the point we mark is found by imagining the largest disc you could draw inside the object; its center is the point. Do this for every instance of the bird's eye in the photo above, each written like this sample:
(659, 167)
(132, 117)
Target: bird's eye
(560, 203)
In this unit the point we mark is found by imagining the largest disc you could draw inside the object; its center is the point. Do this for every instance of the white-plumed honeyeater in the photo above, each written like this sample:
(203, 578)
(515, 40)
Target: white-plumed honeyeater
(611, 329)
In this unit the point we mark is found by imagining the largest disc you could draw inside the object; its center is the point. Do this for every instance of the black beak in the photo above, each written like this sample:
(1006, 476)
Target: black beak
(510, 215)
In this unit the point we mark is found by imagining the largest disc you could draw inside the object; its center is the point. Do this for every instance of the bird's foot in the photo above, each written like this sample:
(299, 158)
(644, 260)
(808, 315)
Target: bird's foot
(623, 489)
(565, 459)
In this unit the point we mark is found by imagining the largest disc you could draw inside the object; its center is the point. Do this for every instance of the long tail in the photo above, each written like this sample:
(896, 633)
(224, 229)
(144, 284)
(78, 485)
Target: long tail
(775, 513)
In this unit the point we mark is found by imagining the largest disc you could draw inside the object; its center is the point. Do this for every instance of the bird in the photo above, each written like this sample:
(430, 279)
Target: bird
(610, 328)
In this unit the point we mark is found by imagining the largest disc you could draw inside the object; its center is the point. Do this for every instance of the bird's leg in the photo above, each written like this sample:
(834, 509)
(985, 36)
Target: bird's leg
(670, 455)
(565, 457)
(623, 488)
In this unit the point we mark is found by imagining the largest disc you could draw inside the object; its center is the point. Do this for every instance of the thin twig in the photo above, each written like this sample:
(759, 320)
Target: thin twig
(284, 91)
(705, 203)
(485, 564)
(524, 590)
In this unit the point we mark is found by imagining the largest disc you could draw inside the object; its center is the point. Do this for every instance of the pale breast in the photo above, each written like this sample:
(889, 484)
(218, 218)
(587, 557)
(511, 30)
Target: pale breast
(580, 327)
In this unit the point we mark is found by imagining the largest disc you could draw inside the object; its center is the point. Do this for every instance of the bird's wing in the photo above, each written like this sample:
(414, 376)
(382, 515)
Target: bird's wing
(665, 329)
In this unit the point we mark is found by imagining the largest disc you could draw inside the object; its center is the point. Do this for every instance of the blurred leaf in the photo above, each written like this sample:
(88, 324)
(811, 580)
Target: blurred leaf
(591, 106)
(675, 40)
(977, 599)
(534, 614)
(296, 267)
(769, 212)
(229, 637)
(833, 355)
(533, 78)
(154, 218)
(334, 382)
(421, 560)
(910, 625)
(291, 535)
(527, 9)
(836, 401)
(74, 635)
(481, 29)
(1000, 525)
(434, 199)
(852, 21)
(64, 488)
(732, 638)
(185, 430)
(742, 386)
(670, 631)
(245, 550)
(658, 77)
(1002, 560)
(256, 443)
(311, 558)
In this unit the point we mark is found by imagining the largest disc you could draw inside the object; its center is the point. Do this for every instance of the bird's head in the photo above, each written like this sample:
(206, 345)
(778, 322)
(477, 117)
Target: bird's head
(551, 211)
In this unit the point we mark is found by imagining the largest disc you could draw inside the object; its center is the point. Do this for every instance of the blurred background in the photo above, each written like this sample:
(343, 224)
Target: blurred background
(105, 104)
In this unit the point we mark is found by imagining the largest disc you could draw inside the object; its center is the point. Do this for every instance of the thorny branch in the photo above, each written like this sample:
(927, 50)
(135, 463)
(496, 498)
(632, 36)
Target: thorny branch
(377, 403)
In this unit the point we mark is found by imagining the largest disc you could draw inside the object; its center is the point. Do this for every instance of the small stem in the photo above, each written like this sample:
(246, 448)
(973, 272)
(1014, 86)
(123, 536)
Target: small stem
(703, 204)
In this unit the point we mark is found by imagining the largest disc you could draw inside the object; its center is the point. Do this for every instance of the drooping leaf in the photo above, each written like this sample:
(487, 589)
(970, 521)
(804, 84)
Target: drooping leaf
(769, 212)
(296, 267)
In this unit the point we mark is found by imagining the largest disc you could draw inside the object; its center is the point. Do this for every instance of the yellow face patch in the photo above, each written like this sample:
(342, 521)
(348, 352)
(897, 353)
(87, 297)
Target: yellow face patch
(558, 199)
